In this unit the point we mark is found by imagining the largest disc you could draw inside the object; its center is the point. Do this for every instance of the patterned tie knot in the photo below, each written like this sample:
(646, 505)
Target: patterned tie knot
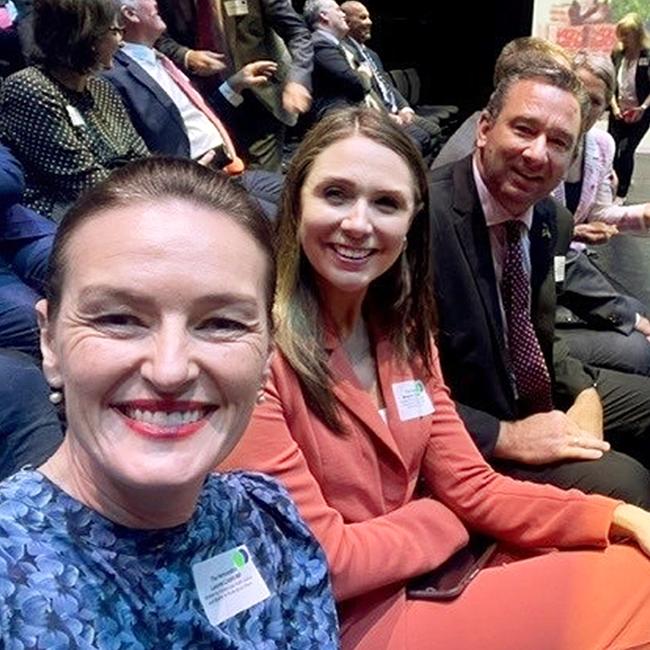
(513, 229)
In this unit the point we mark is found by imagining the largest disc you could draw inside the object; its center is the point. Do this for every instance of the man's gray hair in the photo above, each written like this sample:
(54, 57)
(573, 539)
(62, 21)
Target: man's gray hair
(132, 4)
(312, 10)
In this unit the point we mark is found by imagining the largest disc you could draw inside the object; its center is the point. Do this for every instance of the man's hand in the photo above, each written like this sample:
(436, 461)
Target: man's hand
(547, 438)
(406, 115)
(632, 115)
(252, 74)
(204, 63)
(596, 232)
(587, 412)
(295, 98)
(643, 326)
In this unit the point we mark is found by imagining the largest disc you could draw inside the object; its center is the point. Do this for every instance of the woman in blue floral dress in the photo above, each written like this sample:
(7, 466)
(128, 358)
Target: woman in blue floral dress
(157, 330)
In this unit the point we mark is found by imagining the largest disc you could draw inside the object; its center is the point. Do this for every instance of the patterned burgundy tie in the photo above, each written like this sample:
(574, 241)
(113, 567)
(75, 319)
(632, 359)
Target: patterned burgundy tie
(527, 362)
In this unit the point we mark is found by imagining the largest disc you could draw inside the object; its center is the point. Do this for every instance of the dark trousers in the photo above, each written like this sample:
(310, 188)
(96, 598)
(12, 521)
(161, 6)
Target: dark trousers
(30, 430)
(258, 134)
(627, 137)
(626, 411)
(608, 349)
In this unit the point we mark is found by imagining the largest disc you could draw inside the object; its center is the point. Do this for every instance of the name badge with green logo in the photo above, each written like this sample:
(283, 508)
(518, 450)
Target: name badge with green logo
(229, 583)
(412, 399)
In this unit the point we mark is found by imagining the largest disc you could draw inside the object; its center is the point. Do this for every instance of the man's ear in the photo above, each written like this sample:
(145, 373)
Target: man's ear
(482, 128)
(50, 358)
(128, 14)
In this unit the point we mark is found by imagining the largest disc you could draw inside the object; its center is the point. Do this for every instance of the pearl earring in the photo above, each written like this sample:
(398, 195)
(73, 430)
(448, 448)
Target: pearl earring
(55, 396)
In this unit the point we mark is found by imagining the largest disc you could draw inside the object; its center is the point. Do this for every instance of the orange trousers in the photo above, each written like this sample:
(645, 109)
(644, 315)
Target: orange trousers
(563, 600)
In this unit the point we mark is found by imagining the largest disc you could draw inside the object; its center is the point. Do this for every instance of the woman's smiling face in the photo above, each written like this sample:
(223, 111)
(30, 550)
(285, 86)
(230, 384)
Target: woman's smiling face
(160, 342)
(357, 204)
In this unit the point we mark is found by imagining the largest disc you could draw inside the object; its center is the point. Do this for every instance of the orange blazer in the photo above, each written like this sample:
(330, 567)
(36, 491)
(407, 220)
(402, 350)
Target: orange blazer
(357, 490)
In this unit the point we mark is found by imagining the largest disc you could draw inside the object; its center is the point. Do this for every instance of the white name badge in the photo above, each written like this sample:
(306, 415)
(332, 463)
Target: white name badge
(236, 7)
(560, 266)
(228, 584)
(643, 60)
(75, 116)
(412, 400)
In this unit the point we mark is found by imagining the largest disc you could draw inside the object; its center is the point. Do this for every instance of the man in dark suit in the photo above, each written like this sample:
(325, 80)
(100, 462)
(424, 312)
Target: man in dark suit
(360, 31)
(162, 103)
(340, 79)
(525, 142)
(207, 38)
(343, 76)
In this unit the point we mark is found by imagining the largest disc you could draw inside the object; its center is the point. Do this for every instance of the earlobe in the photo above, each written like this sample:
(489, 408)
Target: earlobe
(50, 359)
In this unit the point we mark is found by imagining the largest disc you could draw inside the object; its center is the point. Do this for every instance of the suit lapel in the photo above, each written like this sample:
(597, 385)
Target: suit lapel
(148, 83)
(543, 235)
(355, 400)
(472, 233)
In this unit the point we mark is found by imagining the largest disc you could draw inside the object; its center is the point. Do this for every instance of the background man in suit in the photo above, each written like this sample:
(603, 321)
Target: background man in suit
(206, 37)
(169, 113)
(340, 79)
(360, 31)
(344, 75)
(489, 217)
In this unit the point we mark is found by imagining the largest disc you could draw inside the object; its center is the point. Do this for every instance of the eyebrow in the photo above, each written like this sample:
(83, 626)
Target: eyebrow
(344, 180)
(107, 293)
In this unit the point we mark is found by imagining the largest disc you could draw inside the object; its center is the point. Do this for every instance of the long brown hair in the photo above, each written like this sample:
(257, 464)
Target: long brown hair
(400, 301)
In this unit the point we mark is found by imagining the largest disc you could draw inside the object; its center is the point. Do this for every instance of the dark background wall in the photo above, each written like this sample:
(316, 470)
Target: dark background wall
(452, 43)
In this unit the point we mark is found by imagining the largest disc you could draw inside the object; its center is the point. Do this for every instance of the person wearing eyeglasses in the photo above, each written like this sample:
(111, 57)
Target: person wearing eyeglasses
(67, 126)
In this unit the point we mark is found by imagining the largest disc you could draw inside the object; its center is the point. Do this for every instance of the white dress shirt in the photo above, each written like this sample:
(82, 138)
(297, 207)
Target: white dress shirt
(203, 136)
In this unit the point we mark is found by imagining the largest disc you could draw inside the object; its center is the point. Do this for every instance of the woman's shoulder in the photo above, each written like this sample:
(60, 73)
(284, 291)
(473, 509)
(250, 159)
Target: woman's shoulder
(256, 495)
(26, 498)
(29, 81)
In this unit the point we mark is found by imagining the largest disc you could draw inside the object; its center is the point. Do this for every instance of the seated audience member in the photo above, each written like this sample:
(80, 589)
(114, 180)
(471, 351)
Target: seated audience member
(170, 115)
(342, 77)
(495, 235)
(30, 430)
(25, 244)
(205, 38)
(67, 127)
(360, 32)
(598, 323)
(613, 332)
(161, 358)
(358, 425)
(515, 56)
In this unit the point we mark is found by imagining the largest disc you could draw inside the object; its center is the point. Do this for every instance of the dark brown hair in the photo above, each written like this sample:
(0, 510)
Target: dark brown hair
(155, 180)
(400, 301)
(553, 74)
(66, 32)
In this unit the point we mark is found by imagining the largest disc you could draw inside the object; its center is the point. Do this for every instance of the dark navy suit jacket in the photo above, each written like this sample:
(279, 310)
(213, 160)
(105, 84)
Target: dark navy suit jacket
(17, 221)
(153, 113)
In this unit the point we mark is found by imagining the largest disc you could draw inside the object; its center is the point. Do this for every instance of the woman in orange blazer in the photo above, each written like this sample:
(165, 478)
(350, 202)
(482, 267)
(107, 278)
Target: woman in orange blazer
(358, 424)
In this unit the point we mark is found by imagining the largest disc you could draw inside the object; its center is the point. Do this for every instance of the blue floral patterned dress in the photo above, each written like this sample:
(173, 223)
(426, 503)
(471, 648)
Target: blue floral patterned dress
(69, 578)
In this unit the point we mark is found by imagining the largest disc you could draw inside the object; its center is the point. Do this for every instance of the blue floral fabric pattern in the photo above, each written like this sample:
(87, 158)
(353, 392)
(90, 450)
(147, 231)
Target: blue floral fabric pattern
(70, 578)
